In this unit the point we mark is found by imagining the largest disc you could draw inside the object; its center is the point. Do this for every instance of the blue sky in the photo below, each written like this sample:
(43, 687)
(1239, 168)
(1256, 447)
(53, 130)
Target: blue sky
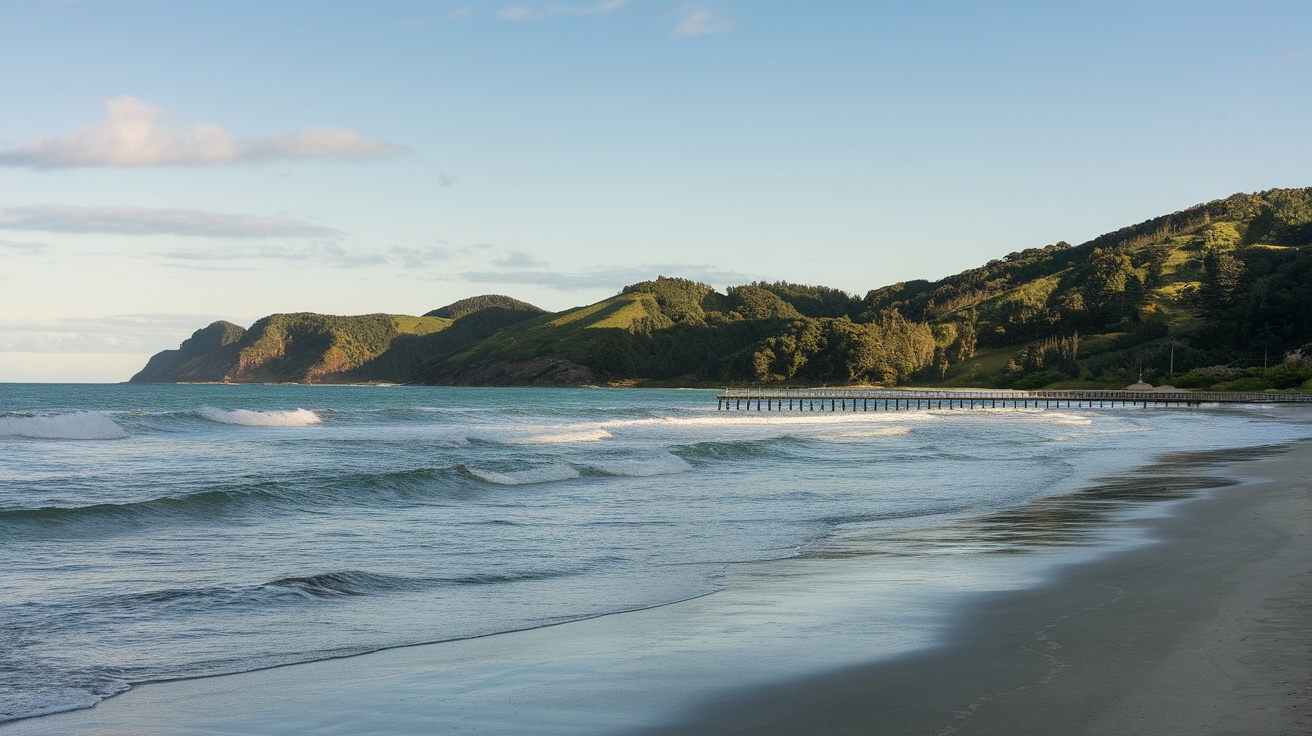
(165, 164)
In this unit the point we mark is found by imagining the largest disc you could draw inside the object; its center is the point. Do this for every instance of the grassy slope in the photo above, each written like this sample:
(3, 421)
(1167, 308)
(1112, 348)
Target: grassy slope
(1112, 358)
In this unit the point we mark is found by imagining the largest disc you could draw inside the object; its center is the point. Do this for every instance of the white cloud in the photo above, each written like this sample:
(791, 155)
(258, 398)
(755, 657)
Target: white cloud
(134, 133)
(526, 12)
(61, 218)
(702, 22)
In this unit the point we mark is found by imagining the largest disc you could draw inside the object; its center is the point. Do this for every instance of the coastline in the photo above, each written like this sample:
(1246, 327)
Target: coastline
(1108, 646)
(1205, 632)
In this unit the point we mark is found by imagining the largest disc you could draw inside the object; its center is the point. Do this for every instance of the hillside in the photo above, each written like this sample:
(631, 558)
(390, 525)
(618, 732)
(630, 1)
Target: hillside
(1213, 296)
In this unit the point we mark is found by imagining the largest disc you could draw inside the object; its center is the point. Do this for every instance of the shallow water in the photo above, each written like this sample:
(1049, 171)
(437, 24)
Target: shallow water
(158, 532)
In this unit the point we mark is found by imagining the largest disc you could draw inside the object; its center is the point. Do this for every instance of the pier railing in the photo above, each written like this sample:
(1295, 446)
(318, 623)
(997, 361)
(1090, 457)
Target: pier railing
(876, 399)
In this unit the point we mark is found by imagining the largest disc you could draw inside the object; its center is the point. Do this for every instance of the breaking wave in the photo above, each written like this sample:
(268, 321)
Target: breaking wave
(80, 425)
(666, 464)
(542, 474)
(249, 418)
(586, 435)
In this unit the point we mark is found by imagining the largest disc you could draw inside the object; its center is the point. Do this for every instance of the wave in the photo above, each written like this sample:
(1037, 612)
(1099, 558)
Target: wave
(79, 425)
(320, 586)
(259, 498)
(867, 433)
(346, 583)
(666, 464)
(773, 419)
(250, 418)
(540, 474)
(587, 435)
(741, 450)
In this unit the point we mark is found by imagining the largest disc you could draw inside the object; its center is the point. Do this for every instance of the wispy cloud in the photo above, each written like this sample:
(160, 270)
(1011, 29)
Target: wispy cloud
(331, 254)
(607, 278)
(62, 218)
(1288, 59)
(516, 259)
(134, 133)
(325, 253)
(703, 22)
(15, 248)
(535, 12)
(125, 333)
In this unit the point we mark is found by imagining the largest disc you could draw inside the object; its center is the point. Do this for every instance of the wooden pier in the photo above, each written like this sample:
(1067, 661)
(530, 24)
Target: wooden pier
(839, 399)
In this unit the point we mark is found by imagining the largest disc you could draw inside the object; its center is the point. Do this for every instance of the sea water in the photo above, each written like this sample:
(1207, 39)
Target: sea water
(158, 532)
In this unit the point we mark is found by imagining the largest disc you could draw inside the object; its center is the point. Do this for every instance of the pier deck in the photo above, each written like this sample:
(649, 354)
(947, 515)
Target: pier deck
(840, 399)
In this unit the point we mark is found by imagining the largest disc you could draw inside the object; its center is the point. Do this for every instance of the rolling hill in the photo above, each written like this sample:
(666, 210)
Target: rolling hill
(1216, 295)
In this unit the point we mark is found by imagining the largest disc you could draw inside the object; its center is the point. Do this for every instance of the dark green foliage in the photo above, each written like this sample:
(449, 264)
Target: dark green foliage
(456, 310)
(680, 299)
(815, 301)
(1227, 283)
(412, 358)
(203, 357)
(756, 302)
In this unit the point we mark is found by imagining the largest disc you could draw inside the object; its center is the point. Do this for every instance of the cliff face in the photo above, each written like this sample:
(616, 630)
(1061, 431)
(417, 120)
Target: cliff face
(319, 348)
(209, 355)
(303, 347)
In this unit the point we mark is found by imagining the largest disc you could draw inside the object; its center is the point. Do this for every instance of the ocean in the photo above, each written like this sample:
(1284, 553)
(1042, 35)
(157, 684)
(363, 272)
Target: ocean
(152, 533)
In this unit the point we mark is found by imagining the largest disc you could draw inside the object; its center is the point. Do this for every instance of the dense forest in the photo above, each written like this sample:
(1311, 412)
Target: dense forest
(1215, 296)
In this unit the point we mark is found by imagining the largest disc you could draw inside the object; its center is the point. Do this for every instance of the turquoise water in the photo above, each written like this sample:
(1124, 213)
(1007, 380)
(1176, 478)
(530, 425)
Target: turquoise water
(160, 532)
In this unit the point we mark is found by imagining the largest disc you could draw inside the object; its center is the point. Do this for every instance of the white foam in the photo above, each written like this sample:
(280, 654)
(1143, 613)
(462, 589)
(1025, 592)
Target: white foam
(866, 433)
(563, 438)
(666, 464)
(1065, 419)
(771, 419)
(248, 418)
(79, 425)
(543, 474)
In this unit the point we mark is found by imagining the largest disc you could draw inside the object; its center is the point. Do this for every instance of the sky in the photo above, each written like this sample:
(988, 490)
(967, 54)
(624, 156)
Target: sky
(167, 164)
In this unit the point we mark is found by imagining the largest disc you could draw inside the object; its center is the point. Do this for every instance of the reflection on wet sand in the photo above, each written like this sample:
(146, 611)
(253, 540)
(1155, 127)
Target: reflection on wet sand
(1065, 520)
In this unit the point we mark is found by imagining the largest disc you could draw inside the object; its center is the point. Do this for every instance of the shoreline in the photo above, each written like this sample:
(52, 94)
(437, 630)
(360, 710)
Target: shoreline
(1204, 631)
(953, 688)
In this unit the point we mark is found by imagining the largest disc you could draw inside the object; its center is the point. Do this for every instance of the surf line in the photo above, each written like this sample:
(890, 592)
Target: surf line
(834, 400)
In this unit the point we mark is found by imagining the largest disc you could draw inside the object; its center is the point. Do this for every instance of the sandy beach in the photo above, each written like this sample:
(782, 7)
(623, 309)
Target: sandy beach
(1209, 632)
(1206, 631)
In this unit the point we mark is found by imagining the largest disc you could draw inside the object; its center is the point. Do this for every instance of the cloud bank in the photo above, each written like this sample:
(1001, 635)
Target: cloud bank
(134, 133)
(62, 218)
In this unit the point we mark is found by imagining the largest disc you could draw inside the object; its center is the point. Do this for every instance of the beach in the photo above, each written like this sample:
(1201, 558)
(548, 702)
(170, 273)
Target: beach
(1207, 632)
(1195, 622)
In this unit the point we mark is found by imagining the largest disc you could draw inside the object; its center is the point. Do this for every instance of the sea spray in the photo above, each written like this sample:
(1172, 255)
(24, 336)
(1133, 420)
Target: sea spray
(78, 425)
(249, 418)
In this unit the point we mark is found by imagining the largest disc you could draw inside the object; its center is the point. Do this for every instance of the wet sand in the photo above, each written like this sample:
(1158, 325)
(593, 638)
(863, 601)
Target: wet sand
(1207, 632)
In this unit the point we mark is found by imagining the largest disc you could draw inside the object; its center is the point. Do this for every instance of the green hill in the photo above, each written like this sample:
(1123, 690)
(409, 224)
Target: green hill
(1216, 295)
